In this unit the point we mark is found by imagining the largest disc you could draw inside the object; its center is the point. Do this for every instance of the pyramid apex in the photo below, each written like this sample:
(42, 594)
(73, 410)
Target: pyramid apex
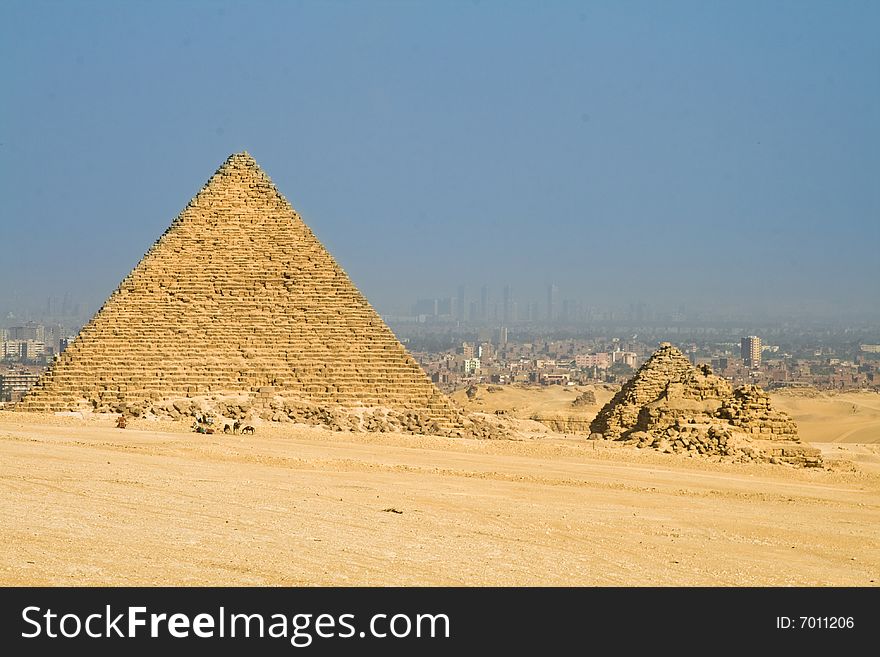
(665, 349)
(241, 158)
(242, 162)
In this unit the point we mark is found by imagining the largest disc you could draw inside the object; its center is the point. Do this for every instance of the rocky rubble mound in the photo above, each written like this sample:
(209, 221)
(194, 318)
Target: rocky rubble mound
(749, 409)
(562, 423)
(586, 398)
(672, 406)
(248, 408)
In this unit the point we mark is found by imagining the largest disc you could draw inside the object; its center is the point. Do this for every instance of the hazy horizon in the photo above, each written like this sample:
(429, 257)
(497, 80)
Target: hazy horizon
(715, 156)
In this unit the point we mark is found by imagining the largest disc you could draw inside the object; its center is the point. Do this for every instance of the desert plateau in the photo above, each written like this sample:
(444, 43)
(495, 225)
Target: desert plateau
(85, 503)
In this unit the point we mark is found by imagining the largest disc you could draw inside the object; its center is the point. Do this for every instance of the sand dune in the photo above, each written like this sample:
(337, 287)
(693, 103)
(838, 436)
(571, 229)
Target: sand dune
(526, 400)
(852, 417)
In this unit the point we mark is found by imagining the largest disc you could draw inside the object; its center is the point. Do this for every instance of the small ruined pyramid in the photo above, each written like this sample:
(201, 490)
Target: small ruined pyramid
(237, 296)
(667, 365)
(673, 406)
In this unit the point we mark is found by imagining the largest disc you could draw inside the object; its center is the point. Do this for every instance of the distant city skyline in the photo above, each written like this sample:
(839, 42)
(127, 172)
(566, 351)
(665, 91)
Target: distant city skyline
(720, 157)
(490, 305)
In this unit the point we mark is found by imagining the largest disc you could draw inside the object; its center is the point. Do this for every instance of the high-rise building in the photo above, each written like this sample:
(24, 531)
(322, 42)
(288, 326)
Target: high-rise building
(484, 303)
(507, 305)
(29, 332)
(22, 349)
(460, 305)
(552, 303)
(484, 351)
(750, 348)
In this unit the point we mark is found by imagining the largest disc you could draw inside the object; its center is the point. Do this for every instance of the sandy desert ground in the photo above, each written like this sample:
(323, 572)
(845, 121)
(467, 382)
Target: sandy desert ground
(84, 503)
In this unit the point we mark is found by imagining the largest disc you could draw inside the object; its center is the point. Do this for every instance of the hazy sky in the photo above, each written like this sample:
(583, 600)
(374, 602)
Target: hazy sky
(665, 152)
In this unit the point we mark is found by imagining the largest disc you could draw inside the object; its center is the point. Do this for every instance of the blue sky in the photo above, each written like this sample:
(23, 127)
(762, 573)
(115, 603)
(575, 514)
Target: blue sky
(704, 154)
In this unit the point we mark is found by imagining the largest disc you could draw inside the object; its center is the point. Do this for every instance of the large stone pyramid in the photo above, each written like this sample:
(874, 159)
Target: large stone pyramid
(237, 296)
